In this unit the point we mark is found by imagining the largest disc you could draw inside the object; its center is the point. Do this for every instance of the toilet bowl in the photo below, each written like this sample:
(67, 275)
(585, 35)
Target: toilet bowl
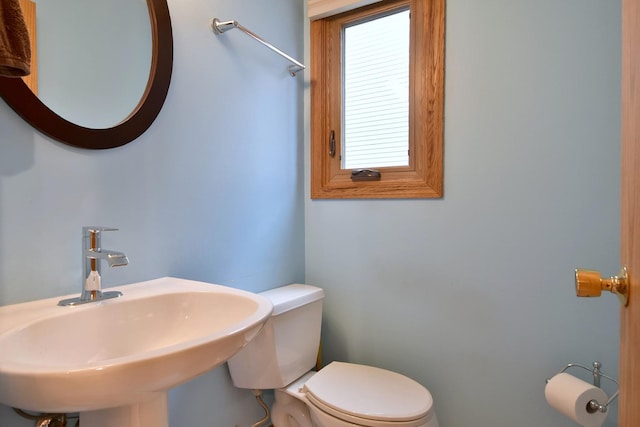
(340, 394)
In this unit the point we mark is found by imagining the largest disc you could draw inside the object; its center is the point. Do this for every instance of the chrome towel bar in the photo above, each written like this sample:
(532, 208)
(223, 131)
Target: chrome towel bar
(220, 27)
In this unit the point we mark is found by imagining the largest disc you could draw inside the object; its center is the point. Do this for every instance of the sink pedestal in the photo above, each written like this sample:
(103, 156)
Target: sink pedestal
(153, 412)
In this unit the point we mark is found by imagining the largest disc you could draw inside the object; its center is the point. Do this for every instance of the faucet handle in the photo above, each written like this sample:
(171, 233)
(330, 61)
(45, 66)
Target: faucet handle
(95, 229)
(91, 236)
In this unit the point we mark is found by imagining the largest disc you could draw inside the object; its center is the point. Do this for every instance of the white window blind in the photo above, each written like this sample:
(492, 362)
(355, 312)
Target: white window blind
(376, 93)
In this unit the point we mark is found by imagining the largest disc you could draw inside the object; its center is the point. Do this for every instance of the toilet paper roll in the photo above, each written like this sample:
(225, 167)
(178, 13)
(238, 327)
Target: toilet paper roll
(570, 395)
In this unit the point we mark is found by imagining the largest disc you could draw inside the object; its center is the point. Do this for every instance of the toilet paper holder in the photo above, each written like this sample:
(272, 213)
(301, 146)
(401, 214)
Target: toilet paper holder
(593, 405)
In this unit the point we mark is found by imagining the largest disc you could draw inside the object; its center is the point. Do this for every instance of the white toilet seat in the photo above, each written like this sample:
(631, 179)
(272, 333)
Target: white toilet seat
(369, 396)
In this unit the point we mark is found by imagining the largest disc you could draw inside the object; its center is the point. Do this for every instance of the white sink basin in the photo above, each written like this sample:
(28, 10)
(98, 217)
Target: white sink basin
(121, 351)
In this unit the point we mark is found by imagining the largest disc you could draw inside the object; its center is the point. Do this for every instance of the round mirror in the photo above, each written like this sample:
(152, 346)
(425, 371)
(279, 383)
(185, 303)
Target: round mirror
(106, 127)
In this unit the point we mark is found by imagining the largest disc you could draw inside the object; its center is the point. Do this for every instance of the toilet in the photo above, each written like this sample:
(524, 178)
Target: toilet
(341, 394)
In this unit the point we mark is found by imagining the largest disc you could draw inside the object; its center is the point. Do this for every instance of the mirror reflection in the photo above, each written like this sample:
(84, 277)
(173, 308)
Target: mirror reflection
(81, 46)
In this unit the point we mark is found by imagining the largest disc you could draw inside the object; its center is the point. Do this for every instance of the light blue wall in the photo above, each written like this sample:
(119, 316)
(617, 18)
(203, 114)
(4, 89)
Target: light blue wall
(472, 295)
(212, 191)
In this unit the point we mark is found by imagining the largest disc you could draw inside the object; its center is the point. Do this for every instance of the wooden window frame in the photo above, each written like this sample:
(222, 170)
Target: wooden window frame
(423, 177)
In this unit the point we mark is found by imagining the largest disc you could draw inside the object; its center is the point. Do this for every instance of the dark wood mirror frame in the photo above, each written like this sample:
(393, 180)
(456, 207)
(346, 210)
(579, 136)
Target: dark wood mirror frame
(19, 97)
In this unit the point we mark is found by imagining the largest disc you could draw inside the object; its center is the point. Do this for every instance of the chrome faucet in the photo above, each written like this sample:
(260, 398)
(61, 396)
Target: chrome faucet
(92, 253)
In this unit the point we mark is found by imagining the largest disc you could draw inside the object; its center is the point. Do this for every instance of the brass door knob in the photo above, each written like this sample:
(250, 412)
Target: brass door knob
(589, 283)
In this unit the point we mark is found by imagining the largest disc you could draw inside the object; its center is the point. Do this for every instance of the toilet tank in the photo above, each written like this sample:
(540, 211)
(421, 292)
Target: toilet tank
(287, 347)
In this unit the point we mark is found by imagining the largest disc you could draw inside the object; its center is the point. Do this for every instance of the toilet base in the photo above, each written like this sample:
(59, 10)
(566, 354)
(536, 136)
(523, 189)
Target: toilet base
(290, 406)
(288, 411)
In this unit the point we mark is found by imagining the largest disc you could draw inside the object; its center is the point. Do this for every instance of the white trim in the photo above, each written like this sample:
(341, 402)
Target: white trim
(318, 9)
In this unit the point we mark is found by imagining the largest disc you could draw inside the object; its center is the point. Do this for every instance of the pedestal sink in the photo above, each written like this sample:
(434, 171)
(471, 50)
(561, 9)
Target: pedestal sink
(114, 361)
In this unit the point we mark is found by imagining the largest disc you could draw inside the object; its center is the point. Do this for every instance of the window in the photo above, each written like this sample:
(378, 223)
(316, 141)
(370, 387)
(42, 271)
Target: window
(375, 120)
(377, 99)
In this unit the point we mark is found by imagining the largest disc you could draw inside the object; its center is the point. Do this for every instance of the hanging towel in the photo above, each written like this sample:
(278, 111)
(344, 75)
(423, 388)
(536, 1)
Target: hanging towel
(15, 50)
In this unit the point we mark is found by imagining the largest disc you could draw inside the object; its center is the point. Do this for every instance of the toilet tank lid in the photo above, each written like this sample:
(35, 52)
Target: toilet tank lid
(292, 296)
